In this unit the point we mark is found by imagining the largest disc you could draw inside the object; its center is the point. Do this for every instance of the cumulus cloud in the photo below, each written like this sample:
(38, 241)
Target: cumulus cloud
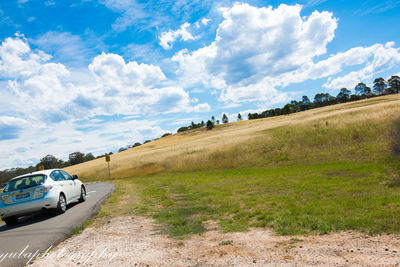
(44, 102)
(116, 86)
(133, 88)
(17, 59)
(254, 43)
(168, 38)
(377, 59)
(259, 51)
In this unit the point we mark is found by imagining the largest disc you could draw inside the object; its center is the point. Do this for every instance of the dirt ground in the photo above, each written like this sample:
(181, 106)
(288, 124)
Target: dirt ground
(134, 241)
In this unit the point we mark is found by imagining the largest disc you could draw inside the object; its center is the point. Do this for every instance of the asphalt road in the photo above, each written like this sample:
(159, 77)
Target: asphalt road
(39, 232)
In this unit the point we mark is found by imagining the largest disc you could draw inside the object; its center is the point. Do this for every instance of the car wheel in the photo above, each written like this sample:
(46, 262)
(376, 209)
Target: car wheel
(62, 204)
(11, 220)
(83, 194)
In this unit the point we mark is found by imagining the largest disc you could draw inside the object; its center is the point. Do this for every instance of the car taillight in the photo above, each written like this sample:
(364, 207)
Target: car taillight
(43, 189)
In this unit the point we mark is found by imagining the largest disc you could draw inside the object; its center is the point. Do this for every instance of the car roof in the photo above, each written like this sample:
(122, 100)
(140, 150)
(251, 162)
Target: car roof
(44, 172)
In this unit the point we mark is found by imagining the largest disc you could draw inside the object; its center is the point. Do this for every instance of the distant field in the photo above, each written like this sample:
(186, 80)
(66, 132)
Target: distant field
(316, 171)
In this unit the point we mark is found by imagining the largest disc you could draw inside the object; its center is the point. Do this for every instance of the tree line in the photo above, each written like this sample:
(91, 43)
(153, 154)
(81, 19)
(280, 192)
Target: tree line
(209, 124)
(362, 91)
(48, 162)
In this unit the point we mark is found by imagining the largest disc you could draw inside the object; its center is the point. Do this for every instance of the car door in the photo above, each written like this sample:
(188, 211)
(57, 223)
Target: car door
(64, 185)
(74, 186)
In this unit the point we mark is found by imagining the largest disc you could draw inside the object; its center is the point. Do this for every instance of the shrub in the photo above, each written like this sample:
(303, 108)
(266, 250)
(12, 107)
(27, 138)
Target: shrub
(182, 129)
(210, 125)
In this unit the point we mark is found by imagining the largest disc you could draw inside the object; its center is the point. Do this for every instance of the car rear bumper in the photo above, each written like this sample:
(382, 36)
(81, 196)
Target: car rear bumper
(49, 201)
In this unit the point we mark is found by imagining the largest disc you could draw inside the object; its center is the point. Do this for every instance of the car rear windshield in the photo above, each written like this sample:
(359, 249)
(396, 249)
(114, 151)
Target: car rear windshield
(24, 182)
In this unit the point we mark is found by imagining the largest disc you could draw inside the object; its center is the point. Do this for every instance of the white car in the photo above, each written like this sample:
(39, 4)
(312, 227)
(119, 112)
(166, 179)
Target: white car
(42, 190)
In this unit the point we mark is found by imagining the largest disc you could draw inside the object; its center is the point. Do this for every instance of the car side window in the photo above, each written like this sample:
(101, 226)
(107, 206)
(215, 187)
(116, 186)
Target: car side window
(66, 175)
(57, 176)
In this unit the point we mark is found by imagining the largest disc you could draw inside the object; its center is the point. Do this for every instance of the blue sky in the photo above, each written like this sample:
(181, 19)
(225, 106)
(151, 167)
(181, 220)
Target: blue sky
(97, 75)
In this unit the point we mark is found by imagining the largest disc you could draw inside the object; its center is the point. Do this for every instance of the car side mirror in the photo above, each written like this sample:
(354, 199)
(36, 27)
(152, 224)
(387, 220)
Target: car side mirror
(74, 177)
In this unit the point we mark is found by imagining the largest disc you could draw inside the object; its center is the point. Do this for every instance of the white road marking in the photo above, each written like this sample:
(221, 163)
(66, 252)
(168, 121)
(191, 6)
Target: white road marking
(90, 192)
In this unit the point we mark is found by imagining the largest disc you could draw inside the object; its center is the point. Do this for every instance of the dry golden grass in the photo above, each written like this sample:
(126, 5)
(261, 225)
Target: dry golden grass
(197, 147)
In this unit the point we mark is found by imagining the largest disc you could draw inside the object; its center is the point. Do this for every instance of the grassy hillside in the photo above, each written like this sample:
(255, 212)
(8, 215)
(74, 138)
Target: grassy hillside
(317, 171)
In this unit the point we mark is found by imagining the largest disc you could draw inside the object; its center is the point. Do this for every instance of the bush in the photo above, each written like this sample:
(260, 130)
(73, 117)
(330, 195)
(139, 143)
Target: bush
(166, 134)
(210, 125)
(182, 129)
(136, 144)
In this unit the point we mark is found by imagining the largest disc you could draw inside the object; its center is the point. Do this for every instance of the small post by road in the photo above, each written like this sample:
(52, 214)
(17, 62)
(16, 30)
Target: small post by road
(108, 159)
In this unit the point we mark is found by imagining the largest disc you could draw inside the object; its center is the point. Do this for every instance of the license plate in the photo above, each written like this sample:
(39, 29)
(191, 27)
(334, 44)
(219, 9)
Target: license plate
(22, 196)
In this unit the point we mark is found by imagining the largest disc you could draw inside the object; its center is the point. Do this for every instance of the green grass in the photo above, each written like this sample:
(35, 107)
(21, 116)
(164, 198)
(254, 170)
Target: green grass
(296, 200)
(312, 178)
(79, 229)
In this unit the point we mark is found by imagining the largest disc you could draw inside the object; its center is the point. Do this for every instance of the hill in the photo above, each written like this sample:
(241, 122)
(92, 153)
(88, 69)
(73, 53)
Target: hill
(321, 170)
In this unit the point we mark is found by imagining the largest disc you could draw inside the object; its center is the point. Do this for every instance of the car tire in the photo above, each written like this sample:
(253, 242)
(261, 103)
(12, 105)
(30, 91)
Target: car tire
(11, 220)
(62, 204)
(83, 194)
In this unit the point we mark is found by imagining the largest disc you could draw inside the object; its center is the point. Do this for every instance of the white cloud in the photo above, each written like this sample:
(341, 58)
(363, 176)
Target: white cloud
(112, 69)
(168, 38)
(116, 86)
(17, 59)
(205, 21)
(377, 59)
(257, 51)
(132, 88)
(253, 46)
(44, 103)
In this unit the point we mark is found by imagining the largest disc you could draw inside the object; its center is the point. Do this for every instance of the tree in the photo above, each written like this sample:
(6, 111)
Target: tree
(217, 121)
(122, 149)
(362, 89)
(203, 124)
(182, 129)
(306, 100)
(380, 86)
(225, 118)
(213, 119)
(322, 99)
(89, 156)
(286, 109)
(239, 117)
(76, 158)
(305, 103)
(344, 95)
(50, 162)
(394, 84)
(210, 125)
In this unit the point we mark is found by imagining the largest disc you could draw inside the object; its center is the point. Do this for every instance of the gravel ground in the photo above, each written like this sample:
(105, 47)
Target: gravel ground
(133, 241)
